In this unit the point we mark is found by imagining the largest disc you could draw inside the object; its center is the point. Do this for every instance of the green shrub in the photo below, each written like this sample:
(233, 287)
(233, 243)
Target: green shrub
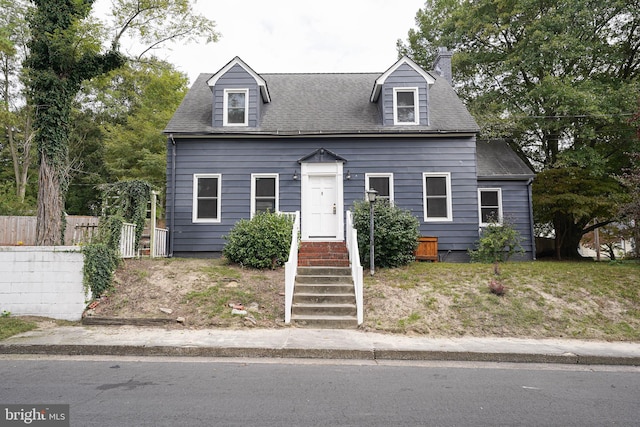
(497, 243)
(395, 233)
(262, 242)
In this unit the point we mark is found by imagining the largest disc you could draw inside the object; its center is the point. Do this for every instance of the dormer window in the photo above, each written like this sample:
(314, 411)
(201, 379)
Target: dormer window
(405, 106)
(236, 107)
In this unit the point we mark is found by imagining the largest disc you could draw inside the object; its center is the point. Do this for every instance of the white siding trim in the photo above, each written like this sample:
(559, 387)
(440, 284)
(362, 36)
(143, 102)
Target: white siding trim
(383, 78)
(380, 175)
(225, 106)
(195, 218)
(253, 190)
(416, 105)
(447, 176)
(500, 216)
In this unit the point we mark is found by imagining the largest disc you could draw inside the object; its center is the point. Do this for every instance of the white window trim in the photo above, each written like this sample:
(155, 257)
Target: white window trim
(253, 190)
(380, 175)
(225, 115)
(447, 176)
(196, 177)
(499, 191)
(416, 104)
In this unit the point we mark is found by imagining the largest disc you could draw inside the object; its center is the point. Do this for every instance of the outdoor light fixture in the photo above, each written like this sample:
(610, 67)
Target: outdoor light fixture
(295, 175)
(371, 195)
(348, 176)
(371, 198)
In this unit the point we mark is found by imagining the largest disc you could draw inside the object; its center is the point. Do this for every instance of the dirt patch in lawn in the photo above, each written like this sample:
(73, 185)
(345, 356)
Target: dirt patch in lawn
(195, 293)
(543, 300)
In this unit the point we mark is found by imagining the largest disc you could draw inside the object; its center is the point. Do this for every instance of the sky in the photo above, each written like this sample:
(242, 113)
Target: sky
(297, 36)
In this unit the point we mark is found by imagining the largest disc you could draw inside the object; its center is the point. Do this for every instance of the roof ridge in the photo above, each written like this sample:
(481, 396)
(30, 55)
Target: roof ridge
(321, 73)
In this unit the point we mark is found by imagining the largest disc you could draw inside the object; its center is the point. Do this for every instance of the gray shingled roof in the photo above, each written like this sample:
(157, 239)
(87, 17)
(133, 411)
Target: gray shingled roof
(321, 103)
(497, 159)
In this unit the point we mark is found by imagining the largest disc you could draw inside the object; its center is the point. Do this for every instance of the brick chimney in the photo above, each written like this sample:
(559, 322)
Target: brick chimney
(442, 64)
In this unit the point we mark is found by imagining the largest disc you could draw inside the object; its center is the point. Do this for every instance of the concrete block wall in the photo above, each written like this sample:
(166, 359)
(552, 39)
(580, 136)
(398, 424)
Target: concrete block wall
(42, 281)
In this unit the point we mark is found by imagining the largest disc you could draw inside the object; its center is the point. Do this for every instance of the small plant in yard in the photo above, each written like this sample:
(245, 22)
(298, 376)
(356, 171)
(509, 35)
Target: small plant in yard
(395, 233)
(497, 243)
(10, 326)
(262, 242)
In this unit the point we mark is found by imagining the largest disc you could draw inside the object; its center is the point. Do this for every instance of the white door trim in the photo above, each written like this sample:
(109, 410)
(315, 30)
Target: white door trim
(321, 169)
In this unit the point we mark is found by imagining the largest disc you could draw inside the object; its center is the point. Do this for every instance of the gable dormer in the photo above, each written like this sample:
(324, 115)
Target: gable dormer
(238, 95)
(402, 93)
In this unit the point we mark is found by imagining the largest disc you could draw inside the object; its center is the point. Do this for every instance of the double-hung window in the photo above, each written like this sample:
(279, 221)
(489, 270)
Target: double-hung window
(405, 106)
(206, 197)
(264, 193)
(490, 205)
(382, 183)
(236, 107)
(436, 189)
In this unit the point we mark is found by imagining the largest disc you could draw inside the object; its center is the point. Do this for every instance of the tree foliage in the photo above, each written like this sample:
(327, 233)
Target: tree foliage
(117, 133)
(630, 208)
(15, 114)
(59, 60)
(65, 50)
(135, 147)
(546, 86)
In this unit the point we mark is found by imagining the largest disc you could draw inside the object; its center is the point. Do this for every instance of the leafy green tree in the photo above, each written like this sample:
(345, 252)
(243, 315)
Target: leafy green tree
(87, 163)
(548, 76)
(630, 208)
(570, 198)
(135, 147)
(117, 133)
(59, 60)
(64, 51)
(15, 114)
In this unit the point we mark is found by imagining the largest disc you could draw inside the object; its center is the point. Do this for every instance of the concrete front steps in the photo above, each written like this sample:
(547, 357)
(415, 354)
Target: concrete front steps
(324, 297)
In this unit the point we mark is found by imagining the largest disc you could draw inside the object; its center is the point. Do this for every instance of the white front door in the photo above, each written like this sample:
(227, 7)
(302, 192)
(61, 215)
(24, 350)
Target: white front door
(323, 214)
(322, 201)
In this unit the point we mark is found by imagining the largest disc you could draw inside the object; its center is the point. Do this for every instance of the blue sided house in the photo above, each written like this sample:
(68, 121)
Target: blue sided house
(243, 142)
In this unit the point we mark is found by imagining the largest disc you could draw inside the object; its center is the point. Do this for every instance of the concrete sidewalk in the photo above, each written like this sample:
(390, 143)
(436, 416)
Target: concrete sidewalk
(311, 343)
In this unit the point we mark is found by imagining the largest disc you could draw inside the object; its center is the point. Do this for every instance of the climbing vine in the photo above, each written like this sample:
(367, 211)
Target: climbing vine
(127, 199)
(59, 60)
(124, 201)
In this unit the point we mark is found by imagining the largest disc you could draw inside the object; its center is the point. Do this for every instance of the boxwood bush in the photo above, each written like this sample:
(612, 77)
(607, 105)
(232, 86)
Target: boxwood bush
(262, 242)
(395, 233)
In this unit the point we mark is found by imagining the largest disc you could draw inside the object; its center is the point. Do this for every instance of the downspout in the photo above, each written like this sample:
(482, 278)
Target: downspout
(173, 195)
(532, 231)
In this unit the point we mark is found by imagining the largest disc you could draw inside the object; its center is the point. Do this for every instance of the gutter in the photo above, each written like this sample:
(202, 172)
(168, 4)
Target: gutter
(530, 200)
(527, 178)
(173, 195)
(333, 134)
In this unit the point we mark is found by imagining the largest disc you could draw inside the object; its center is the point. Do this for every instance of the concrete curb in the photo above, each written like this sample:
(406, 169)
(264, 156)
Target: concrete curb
(307, 343)
(311, 353)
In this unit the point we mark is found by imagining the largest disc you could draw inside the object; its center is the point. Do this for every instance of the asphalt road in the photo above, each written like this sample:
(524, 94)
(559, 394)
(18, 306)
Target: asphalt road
(266, 392)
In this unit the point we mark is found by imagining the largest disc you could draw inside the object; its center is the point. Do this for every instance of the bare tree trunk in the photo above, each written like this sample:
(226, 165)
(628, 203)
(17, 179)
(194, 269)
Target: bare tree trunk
(50, 206)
